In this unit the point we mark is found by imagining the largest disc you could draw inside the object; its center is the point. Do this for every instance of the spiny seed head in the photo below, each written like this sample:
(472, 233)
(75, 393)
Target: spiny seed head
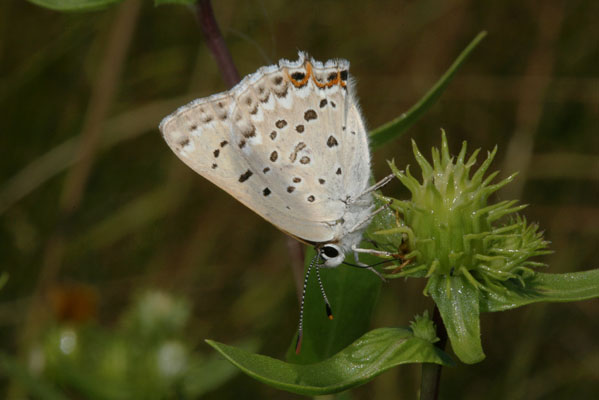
(424, 328)
(453, 229)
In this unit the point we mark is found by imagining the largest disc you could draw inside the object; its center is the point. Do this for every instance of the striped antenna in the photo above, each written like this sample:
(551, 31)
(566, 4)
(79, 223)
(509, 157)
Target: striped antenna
(324, 295)
(298, 343)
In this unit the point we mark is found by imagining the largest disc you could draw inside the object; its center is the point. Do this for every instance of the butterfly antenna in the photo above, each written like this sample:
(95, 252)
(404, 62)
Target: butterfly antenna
(298, 343)
(324, 295)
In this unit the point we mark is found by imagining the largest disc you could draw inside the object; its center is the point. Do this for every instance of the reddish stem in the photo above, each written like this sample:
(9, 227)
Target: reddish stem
(216, 42)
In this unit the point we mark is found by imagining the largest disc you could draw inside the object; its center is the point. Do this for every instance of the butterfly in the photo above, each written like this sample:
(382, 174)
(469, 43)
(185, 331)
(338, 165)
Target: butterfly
(289, 142)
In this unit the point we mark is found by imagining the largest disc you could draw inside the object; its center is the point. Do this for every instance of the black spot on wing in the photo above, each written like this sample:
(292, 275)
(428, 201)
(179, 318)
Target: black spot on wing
(249, 132)
(310, 115)
(245, 176)
(298, 76)
(298, 147)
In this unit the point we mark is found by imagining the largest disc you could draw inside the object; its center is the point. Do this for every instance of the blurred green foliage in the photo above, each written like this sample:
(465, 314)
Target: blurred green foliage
(147, 355)
(144, 219)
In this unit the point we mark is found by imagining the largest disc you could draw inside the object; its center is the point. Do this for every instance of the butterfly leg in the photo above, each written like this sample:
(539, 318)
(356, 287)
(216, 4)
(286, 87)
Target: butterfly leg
(366, 220)
(356, 250)
(374, 187)
(378, 253)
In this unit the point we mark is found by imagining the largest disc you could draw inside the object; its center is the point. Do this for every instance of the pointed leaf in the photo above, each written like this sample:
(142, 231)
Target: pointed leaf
(457, 301)
(74, 5)
(184, 2)
(543, 287)
(208, 373)
(396, 127)
(367, 357)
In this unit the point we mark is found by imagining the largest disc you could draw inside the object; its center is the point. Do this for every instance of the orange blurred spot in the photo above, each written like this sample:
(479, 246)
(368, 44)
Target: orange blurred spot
(73, 302)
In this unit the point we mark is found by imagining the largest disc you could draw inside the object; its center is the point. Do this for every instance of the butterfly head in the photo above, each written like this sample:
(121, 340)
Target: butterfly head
(332, 255)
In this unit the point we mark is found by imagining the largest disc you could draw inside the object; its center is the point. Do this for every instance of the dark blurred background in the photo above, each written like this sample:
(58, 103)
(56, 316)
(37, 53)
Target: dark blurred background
(94, 207)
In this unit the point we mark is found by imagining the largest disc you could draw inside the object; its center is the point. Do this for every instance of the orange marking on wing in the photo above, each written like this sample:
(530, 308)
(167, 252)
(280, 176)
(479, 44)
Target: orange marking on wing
(308, 72)
(301, 83)
(334, 81)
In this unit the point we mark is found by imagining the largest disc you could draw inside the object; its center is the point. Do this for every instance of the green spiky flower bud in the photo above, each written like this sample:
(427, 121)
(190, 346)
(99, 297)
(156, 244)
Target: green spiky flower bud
(453, 230)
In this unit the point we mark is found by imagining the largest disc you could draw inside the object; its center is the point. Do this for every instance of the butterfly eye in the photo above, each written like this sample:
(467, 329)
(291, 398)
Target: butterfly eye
(332, 255)
(330, 251)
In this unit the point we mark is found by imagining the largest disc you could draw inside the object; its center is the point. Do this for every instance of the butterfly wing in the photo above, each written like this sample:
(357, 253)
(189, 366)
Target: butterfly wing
(279, 145)
(355, 151)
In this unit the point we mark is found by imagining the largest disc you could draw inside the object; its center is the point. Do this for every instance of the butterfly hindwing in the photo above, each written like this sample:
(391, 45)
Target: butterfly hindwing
(288, 146)
(288, 142)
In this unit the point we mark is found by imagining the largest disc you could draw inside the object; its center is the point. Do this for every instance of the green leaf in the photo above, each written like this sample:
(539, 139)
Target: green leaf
(184, 2)
(367, 357)
(74, 5)
(543, 287)
(396, 127)
(457, 301)
(36, 387)
(352, 293)
(206, 374)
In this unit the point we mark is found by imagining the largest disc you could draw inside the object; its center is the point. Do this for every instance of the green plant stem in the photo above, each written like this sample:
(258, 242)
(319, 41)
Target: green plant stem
(431, 373)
